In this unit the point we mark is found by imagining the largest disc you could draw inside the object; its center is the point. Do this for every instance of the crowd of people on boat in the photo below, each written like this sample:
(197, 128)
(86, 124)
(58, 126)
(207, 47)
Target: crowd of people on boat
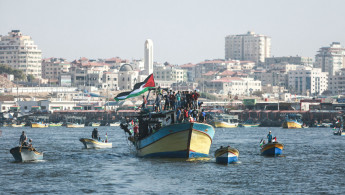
(184, 103)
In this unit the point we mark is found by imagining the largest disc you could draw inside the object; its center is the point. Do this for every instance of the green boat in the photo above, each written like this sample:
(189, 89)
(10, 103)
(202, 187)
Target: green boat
(55, 124)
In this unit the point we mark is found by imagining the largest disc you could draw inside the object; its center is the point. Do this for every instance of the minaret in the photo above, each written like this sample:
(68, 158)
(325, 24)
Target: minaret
(148, 50)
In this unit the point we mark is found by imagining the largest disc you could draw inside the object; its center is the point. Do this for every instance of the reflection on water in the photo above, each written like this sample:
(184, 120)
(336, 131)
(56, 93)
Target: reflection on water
(312, 162)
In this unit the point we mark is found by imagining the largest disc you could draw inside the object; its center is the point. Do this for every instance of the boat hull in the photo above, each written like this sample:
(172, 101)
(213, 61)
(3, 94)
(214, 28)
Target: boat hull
(92, 143)
(226, 155)
(95, 124)
(75, 125)
(55, 125)
(39, 125)
(114, 124)
(249, 125)
(338, 133)
(185, 140)
(24, 154)
(222, 124)
(272, 149)
(292, 125)
(15, 125)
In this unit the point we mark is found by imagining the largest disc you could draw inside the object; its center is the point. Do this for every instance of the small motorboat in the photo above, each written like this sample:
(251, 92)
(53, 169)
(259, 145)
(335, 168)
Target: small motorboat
(24, 154)
(18, 125)
(95, 124)
(39, 125)
(272, 149)
(114, 124)
(75, 125)
(341, 133)
(55, 124)
(93, 143)
(226, 155)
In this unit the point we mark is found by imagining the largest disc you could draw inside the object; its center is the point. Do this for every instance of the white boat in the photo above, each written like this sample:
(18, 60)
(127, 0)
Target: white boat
(93, 143)
(75, 125)
(114, 124)
(95, 124)
(23, 154)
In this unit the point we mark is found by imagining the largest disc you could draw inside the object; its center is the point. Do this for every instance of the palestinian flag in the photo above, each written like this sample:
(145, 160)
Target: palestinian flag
(138, 89)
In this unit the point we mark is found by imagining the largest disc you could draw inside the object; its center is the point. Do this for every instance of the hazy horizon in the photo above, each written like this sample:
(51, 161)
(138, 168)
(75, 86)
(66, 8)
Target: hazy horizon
(182, 32)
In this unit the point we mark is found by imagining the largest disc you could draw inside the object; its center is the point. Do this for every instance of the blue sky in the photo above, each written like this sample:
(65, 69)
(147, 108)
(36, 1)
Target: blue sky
(182, 31)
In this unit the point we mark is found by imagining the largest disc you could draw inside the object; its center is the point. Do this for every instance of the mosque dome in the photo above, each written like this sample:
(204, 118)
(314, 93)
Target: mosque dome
(126, 67)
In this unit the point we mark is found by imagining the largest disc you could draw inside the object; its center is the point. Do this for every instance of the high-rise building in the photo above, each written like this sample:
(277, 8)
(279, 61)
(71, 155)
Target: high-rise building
(330, 59)
(148, 50)
(248, 47)
(19, 51)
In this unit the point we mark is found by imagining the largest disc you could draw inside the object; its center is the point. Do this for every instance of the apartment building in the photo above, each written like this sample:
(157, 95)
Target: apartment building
(330, 59)
(20, 52)
(248, 47)
(52, 68)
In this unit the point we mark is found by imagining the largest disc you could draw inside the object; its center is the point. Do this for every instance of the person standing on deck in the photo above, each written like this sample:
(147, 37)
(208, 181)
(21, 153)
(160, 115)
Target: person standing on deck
(158, 103)
(269, 137)
(95, 134)
(22, 139)
(178, 99)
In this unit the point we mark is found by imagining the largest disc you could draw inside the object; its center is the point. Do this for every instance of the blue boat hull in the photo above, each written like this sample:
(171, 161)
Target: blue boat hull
(272, 152)
(226, 160)
(184, 140)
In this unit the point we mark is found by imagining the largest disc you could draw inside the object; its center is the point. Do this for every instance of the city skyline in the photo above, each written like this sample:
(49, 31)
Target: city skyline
(183, 32)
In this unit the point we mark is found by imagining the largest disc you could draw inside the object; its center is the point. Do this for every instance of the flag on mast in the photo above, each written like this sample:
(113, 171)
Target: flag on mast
(138, 89)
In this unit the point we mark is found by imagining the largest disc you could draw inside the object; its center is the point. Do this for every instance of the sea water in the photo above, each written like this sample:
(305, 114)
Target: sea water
(312, 162)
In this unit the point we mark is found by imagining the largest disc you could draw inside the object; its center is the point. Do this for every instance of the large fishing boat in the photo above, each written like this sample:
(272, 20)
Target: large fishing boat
(293, 121)
(23, 154)
(160, 136)
(39, 125)
(226, 121)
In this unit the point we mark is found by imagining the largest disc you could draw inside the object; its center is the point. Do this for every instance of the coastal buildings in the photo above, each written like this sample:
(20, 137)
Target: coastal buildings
(248, 47)
(297, 60)
(307, 81)
(20, 52)
(148, 56)
(52, 68)
(330, 59)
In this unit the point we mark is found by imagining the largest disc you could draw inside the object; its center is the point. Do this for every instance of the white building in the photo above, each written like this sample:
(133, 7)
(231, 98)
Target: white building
(330, 59)
(20, 52)
(248, 47)
(148, 58)
(127, 77)
(336, 83)
(170, 73)
(111, 80)
(233, 86)
(307, 81)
